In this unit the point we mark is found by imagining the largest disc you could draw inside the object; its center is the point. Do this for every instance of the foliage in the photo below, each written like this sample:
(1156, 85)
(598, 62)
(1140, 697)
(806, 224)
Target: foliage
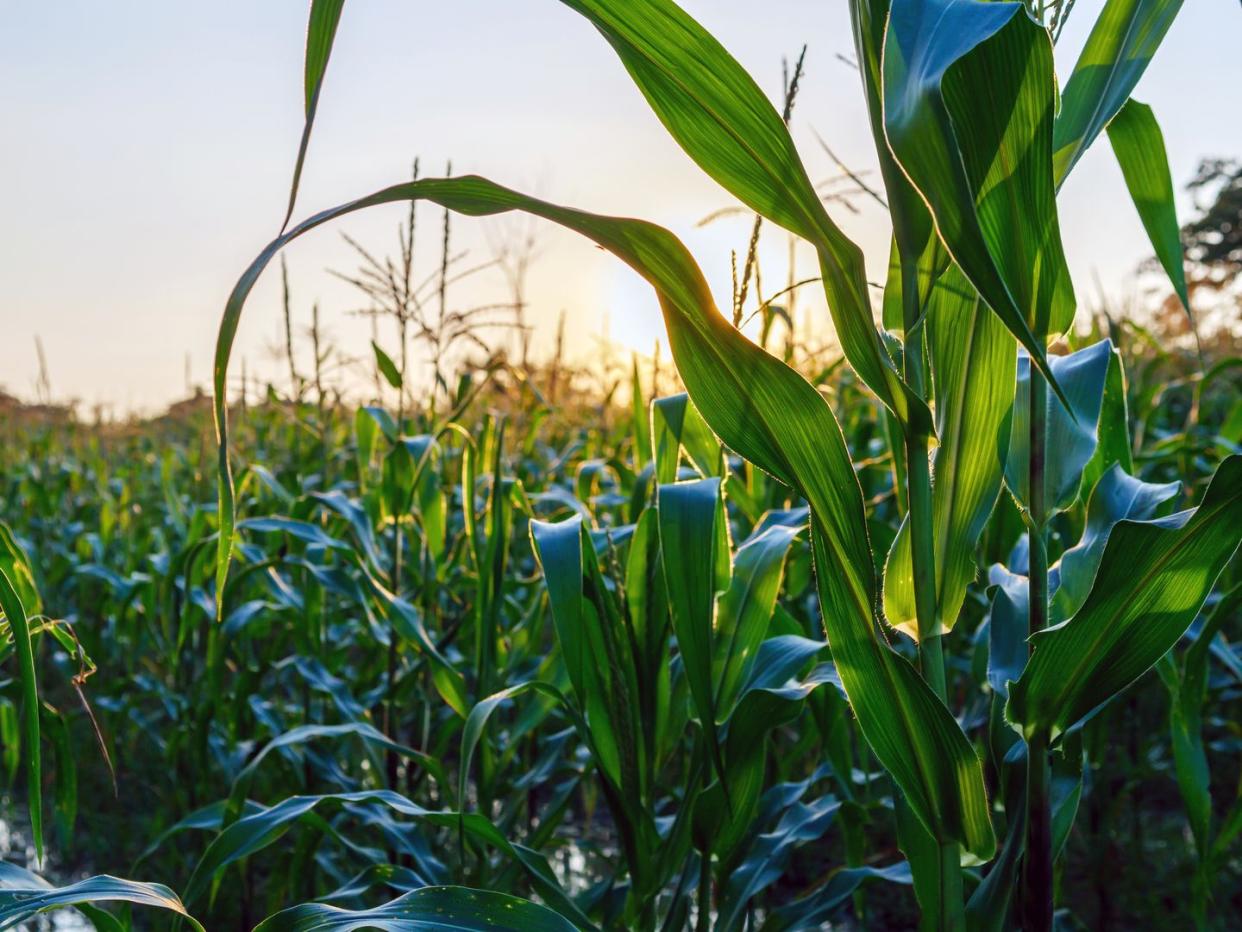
(733, 658)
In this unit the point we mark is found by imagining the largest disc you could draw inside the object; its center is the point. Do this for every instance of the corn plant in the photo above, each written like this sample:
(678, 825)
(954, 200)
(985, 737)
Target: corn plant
(735, 637)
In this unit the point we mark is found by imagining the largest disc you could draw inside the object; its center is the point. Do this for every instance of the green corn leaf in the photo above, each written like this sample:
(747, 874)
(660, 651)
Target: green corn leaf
(776, 419)
(1121, 45)
(892, 313)
(1114, 427)
(640, 425)
(408, 623)
(24, 895)
(925, 858)
(19, 630)
(559, 548)
(1187, 695)
(259, 830)
(764, 863)
(476, 723)
(1190, 762)
(914, 236)
(1008, 628)
(1065, 789)
(744, 610)
(1071, 435)
(693, 542)
(1152, 580)
(1139, 147)
(10, 739)
(428, 908)
(586, 623)
(304, 734)
(716, 112)
(15, 563)
(984, 169)
(302, 530)
(812, 910)
(676, 425)
(386, 366)
(325, 16)
(1117, 497)
(728, 821)
(974, 361)
(988, 909)
(646, 598)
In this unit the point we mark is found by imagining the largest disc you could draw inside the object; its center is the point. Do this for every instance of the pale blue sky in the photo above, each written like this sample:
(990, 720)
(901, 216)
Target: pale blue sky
(148, 147)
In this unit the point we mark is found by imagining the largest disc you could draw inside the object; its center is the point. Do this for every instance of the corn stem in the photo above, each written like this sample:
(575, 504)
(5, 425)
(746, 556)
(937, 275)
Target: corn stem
(923, 556)
(1037, 862)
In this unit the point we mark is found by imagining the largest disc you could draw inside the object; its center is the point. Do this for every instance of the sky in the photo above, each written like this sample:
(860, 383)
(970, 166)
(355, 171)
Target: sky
(148, 148)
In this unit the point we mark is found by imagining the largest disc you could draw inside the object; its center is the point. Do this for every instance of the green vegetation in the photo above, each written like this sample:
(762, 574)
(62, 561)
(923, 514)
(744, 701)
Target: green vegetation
(766, 654)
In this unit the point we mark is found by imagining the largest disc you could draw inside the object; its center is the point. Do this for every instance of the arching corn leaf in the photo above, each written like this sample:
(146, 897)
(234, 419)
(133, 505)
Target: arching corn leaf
(1118, 51)
(1152, 580)
(429, 908)
(1116, 497)
(812, 910)
(716, 112)
(969, 96)
(772, 416)
(765, 861)
(974, 361)
(368, 735)
(258, 830)
(24, 895)
(1139, 147)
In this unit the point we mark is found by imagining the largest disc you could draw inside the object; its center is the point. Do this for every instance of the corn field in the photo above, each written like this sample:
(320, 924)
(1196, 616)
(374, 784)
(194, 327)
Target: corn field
(940, 634)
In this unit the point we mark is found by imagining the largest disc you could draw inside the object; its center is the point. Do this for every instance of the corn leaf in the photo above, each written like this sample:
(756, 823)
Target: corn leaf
(19, 630)
(1114, 427)
(325, 16)
(974, 361)
(386, 366)
(1071, 434)
(693, 544)
(1118, 51)
(744, 610)
(427, 908)
(725, 822)
(719, 116)
(800, 824)
(15, 563)
(969, 96)
(24, 895)
(1152, 580)
(677, 426)
(1139, 146)
(257, 831)
(914, 236)
(1117, 497)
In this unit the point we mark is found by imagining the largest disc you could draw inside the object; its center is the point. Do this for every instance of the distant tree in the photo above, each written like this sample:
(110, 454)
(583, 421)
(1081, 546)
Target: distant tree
(1213, 241)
